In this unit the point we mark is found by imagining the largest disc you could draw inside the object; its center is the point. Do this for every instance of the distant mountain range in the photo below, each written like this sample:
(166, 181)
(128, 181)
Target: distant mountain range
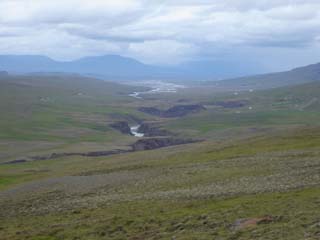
(114, 67)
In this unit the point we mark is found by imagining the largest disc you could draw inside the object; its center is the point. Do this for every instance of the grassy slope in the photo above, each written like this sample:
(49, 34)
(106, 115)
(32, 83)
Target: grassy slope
(196, 191)
(185, 219)
(195, 194)
(296, 76)
(277, 108)
(57, 113)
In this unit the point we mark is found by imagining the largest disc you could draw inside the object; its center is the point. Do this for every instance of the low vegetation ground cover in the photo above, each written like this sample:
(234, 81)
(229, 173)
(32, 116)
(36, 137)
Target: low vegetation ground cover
(254, 175)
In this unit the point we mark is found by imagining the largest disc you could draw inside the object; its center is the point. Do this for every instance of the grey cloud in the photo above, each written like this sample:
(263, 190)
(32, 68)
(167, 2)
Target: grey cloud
(158, 31)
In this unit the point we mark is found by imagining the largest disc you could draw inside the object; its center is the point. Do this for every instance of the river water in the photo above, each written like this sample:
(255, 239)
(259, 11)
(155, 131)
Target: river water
(134, 131)
(156, 87)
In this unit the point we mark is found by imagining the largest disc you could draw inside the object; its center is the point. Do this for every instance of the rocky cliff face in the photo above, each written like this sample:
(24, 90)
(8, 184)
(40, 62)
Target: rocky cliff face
(151, 110)
(182, 110)
(122, 127)
(140, 145)
(175, 111)
(154, 143)
(232, 103)
(151, 130)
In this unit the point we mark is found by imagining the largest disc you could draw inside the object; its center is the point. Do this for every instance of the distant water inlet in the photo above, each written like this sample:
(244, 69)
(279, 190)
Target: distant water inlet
(136, 95)
(156, 87)
(134, 131)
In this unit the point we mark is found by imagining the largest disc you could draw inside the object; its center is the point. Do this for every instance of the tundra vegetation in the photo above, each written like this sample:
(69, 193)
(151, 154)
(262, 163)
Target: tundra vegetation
(213, 164)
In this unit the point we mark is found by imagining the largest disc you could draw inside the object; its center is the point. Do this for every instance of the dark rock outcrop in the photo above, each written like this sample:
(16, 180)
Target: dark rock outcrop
(122, 127)
(151, 111)
(124, 117)
(140, 145)
(231, 103)
(151, 130)
(16, 161)
(105, 153)
(60, 155)
(154, 143)
(175, 111)
(182, 110)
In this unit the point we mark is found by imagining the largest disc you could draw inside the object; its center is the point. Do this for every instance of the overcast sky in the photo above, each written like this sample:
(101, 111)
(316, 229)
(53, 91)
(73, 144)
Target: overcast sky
(276, 34)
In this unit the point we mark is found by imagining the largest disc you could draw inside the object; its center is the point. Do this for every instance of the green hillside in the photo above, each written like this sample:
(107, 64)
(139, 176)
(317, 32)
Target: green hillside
(59, 113)
(252, 171)
(296, 76)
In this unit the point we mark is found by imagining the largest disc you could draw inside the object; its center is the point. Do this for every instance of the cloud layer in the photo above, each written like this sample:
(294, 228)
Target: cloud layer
(165, 32)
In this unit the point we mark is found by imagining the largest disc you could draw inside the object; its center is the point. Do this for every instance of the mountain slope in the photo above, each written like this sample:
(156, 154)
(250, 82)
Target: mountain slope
(295, 76)
(108, 66)
(114, 67)
(27, 63)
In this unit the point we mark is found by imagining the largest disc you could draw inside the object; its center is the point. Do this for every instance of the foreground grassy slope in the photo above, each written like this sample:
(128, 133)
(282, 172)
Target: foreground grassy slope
(295, 215)
(255, 175)
(198, 192)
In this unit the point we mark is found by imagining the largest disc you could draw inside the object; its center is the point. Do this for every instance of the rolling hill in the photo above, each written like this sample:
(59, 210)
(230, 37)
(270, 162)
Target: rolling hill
(295, 76)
